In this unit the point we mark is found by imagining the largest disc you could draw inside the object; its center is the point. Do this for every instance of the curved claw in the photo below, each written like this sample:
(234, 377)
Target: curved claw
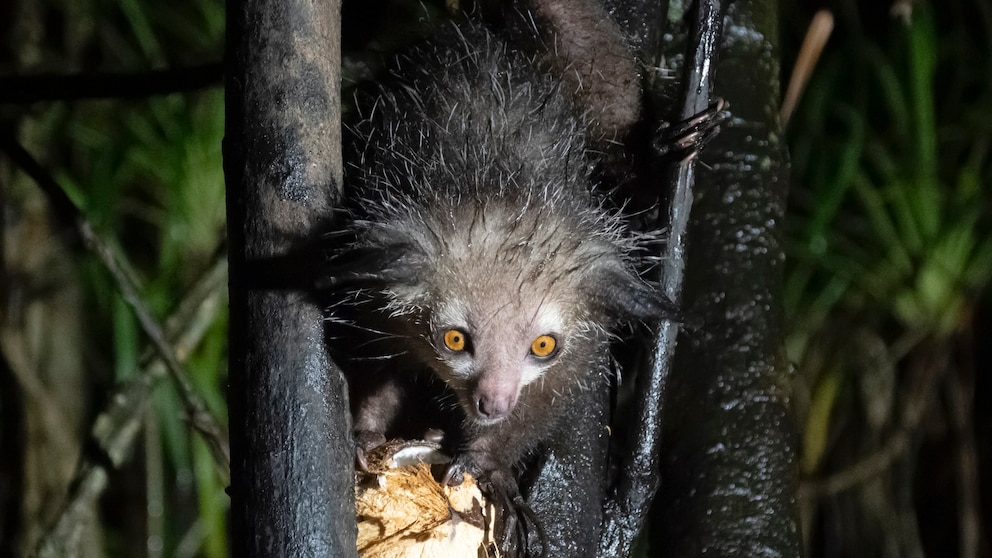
(521, 532)
(361, 461)
(365, 441)
(520, 528)
(454, 475)
(684, 140)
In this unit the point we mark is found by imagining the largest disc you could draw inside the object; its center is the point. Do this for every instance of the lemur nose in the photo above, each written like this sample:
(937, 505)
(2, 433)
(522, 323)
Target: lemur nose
(494, 406)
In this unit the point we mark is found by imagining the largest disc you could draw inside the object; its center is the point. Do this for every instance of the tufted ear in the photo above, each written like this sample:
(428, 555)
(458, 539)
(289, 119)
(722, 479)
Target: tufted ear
(372, 267)
(621, 294)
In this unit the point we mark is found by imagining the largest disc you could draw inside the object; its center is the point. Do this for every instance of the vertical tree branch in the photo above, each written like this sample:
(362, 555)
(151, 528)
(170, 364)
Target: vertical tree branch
(292, 453)
(729, 471)
(640, 472)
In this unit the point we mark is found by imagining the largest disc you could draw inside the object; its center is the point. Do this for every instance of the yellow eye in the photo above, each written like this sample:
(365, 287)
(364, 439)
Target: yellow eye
(454, 340)
(543, 346)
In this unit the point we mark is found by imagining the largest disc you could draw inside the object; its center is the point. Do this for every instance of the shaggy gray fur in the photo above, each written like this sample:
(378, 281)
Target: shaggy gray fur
(474, 208)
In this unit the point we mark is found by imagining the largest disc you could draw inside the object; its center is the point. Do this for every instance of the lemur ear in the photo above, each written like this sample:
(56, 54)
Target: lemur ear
(374, 266)
(623, 295)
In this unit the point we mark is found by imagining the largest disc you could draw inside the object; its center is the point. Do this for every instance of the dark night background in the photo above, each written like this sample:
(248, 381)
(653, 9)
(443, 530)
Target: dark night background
(888, 238)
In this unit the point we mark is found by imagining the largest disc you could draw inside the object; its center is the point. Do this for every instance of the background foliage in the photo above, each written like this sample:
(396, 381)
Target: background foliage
(890, 254)
(889, 241)
(147, 174)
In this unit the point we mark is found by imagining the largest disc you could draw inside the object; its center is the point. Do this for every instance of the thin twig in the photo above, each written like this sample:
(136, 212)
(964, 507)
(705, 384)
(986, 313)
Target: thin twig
(863, 470)
(116, 428)
(68, 214)
(37, 88)
(962, 398)
(816, 38)
(926, 375)
(198, 415)
(639, 477)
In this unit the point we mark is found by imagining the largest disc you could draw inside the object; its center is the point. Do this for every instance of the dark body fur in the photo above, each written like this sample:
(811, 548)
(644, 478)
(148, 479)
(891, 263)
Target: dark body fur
(474, 208)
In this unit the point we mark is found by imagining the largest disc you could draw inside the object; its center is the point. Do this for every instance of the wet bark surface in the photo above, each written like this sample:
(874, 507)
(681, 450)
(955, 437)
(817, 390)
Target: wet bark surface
(729, 474)
(291, 488)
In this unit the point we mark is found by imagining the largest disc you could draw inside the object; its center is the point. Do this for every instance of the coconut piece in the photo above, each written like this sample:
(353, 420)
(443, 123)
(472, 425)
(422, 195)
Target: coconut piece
(403, 512)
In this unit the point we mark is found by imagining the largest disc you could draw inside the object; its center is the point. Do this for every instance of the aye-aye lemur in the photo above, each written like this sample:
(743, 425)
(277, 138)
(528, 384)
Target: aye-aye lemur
(483, 272)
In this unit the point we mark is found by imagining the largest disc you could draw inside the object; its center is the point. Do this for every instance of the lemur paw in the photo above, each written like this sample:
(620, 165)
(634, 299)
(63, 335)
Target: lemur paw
(518, 527)
(489, 472)
(684, 140)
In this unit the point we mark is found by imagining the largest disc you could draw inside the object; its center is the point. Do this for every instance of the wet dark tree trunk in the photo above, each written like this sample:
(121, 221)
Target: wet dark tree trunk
(291, 486)
(729, 478)
(714, 430)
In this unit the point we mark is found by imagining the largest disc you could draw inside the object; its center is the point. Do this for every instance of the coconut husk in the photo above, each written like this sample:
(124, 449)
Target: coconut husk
(403, 512)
